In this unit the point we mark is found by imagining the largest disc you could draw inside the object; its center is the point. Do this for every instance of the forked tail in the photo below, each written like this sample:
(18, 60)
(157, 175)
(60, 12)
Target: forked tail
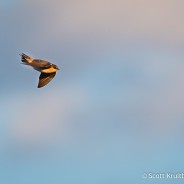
(25, 58)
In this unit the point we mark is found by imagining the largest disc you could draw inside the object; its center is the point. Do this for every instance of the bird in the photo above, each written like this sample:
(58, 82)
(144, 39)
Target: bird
(48, 70)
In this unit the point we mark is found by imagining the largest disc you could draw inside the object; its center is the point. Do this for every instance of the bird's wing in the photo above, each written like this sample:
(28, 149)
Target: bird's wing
(37, 63)
(45, 78)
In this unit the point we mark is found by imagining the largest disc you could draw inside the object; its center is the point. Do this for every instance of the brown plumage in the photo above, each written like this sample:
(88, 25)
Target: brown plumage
(47, 69)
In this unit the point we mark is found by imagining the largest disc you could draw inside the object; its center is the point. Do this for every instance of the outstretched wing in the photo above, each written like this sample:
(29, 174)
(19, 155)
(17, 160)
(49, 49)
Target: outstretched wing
(45, 78)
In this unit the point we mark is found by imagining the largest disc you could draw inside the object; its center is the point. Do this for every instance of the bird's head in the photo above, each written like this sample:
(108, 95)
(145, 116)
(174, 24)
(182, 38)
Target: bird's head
(56, 67)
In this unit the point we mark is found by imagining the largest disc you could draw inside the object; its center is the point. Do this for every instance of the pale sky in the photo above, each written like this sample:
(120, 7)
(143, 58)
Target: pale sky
(113, 111)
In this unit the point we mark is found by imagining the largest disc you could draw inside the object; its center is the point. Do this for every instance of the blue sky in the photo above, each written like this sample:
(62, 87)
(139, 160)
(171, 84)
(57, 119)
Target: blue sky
(113, 111)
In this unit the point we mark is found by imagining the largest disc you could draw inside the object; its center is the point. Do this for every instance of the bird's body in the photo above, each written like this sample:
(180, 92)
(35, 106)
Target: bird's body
(47, 69)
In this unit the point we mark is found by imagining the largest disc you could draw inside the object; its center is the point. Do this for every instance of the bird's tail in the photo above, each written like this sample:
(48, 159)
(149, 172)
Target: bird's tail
(24, 58)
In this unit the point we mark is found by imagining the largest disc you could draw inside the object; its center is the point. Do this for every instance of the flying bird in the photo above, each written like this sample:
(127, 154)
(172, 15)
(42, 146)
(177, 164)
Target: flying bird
(47, 69)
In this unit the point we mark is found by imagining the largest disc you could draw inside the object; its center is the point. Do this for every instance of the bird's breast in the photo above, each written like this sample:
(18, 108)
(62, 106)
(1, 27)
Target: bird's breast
(49, 70)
